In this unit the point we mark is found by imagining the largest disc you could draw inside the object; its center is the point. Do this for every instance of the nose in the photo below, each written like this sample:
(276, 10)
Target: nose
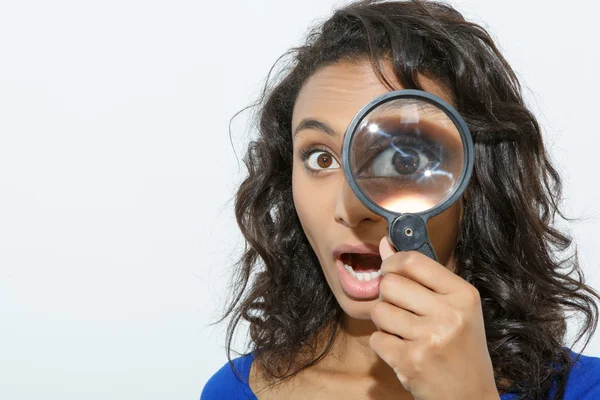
(349, 210)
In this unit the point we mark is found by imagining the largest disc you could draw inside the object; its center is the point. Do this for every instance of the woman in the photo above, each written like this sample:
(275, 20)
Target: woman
(485, 322)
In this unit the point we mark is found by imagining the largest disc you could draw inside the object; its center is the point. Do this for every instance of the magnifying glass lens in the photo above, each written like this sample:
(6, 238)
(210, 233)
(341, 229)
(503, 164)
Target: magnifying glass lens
(407, 155)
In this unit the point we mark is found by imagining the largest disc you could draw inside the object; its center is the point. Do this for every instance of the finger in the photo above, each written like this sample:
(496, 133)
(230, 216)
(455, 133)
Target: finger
(393, 351)
(396, 321)
(385, 248)
(423, 270)
(408, 295)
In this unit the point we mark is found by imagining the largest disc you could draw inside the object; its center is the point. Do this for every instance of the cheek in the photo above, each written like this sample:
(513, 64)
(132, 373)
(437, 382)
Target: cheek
(443, 232)
(311, 203)
(301, 192)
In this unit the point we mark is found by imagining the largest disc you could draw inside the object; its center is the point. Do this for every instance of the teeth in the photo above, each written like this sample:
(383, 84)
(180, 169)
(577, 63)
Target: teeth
(363, 276)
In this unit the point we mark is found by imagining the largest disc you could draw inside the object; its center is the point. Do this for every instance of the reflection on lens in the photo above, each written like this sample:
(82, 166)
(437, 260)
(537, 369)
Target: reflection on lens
(407, 155)
(409, 204)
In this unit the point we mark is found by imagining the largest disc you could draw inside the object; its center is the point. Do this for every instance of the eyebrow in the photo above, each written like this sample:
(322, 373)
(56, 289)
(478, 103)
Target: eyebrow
(311, 123)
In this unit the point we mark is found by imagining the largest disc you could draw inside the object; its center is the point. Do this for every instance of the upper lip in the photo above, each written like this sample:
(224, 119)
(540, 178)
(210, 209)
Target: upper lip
(360, 248)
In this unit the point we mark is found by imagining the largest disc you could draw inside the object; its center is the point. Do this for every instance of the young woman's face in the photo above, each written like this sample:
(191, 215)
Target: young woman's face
(337, 225)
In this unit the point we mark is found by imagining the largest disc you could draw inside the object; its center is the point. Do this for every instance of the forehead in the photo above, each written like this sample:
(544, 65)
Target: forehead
(335, 93)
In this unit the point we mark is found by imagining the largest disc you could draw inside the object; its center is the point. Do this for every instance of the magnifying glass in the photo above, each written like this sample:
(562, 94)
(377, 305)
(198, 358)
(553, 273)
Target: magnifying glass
(408, 156)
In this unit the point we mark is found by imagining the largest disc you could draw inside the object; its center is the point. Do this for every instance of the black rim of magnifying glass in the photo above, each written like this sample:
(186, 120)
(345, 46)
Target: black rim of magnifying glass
(463, 130)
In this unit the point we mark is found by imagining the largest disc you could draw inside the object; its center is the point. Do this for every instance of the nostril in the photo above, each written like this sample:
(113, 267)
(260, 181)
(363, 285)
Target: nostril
(342, 221)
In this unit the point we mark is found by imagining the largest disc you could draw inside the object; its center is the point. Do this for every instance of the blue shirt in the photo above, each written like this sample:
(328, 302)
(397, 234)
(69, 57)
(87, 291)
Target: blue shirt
(583, 382)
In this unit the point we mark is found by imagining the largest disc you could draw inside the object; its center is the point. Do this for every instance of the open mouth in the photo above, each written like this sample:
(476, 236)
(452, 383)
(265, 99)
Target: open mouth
(363, 267)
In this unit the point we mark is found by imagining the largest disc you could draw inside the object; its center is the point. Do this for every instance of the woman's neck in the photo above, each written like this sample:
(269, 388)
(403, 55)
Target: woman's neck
(351, 354)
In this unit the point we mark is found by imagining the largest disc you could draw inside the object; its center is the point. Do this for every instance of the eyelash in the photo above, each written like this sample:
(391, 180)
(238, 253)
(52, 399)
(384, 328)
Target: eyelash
(305, 153)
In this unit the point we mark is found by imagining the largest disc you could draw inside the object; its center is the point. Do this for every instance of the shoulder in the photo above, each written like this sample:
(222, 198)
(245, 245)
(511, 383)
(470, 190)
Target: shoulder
(584, 379)
(226, 384)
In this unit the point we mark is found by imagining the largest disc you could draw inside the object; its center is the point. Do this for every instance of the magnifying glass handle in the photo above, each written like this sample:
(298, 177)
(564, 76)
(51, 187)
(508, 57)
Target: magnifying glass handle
(409, 232)
(428, 251)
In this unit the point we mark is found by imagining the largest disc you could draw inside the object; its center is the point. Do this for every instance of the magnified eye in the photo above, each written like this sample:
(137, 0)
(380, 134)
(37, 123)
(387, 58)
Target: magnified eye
(405, 157)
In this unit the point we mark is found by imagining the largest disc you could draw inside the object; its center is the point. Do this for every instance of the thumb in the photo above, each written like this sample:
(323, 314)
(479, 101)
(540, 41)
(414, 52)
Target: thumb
(385, 248)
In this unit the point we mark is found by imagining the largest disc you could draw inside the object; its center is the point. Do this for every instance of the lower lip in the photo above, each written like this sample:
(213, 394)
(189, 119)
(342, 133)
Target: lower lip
(355, 288)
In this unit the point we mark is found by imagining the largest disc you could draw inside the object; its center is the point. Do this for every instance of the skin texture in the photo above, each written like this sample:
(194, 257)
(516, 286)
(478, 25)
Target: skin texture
(443, 352)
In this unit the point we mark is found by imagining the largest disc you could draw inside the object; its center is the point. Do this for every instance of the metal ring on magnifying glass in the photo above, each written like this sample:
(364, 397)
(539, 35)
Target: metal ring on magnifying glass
(454, 116)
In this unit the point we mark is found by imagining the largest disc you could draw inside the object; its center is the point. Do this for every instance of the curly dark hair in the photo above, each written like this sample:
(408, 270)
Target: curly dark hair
(525, 269)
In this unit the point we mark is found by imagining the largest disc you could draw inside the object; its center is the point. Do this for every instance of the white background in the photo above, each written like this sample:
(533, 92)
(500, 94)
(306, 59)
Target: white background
(117, 174)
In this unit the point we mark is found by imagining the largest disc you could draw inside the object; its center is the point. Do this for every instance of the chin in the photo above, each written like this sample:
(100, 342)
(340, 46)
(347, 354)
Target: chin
(356, 309)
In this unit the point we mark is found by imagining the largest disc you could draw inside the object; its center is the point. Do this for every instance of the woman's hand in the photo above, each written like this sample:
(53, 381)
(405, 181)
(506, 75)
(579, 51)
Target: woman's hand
(441, 351)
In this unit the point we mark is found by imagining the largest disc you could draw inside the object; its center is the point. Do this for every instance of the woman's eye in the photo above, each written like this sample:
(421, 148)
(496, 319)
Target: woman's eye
(403, 161)
(320, 160)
